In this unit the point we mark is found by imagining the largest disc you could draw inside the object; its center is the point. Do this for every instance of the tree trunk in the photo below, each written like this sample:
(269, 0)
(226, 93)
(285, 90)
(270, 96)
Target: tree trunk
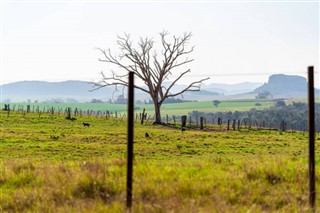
(157, 113)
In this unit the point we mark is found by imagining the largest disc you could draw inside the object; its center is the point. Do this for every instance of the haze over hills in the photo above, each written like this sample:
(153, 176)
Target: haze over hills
(280, 86)
(50, 91)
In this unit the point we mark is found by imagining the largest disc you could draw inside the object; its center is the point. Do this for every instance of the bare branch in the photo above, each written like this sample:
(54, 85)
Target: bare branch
(115, 80)
(191, 87)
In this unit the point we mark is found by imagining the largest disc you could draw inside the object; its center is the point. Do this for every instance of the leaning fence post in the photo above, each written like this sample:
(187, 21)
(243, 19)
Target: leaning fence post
(130, 139)
(143, 116)
(312, 184)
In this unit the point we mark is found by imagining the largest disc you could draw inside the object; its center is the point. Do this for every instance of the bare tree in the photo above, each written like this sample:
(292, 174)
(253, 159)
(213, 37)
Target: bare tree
(151, 68)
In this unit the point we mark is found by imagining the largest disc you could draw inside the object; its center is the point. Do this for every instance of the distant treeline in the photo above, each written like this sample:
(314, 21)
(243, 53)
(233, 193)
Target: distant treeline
(294, 116)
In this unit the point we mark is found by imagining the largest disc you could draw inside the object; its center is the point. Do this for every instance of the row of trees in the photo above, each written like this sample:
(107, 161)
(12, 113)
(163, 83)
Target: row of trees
(294, 115)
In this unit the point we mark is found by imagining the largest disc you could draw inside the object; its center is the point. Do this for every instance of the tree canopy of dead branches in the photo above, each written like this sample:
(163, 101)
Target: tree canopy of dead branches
(150, 66)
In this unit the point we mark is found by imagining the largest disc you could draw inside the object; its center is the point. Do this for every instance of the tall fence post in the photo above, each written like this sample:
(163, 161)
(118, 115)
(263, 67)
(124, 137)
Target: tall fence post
(312, 185)
(130, 139)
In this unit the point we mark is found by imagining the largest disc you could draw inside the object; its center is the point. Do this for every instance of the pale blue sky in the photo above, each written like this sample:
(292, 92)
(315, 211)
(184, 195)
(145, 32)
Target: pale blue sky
(234, 41)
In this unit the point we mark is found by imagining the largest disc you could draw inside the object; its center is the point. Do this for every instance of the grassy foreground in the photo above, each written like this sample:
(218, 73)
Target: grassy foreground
(50, 164)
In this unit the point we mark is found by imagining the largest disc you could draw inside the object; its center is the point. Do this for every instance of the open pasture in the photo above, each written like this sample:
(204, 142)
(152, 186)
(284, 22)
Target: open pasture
(176, 109)
(50, 164)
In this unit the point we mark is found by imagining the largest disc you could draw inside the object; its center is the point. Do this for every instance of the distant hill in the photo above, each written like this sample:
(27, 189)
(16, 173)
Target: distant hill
(72, 91)
(42, 91)
(285, 86)
(280, 86)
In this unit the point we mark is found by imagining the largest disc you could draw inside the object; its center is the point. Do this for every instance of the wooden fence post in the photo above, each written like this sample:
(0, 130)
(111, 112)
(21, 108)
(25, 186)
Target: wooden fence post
(234, 125)
(143, 115)
(148, 118)
(183, 121)
(220, 122)
(312, 179)
(228, 125)
(201, 122)
(68, 113)
(6, 107)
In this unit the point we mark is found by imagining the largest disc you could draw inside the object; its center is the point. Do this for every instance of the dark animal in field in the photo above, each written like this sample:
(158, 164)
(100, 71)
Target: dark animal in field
(147, 135)
(86, 124)
(183, 129)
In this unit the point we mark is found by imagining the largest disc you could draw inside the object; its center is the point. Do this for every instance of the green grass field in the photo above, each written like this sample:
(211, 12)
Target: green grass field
(50, 164)
(177, 109)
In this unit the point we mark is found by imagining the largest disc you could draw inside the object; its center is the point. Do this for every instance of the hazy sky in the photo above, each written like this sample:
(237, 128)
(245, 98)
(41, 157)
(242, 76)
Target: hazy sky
(234, 41)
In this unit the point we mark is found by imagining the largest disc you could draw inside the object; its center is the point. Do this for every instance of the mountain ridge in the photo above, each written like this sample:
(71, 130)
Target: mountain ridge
(79, 90)
(285, 86)
(279, 85)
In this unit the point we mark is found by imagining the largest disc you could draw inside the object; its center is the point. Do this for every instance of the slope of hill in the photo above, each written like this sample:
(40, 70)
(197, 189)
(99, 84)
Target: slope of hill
(232, 89)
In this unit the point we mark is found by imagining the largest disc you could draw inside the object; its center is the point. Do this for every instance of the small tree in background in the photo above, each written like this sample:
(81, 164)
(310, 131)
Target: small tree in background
(216, 103)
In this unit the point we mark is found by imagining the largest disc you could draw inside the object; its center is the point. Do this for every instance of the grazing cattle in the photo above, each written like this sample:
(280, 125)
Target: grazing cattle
(86, 124)
(147, 135)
